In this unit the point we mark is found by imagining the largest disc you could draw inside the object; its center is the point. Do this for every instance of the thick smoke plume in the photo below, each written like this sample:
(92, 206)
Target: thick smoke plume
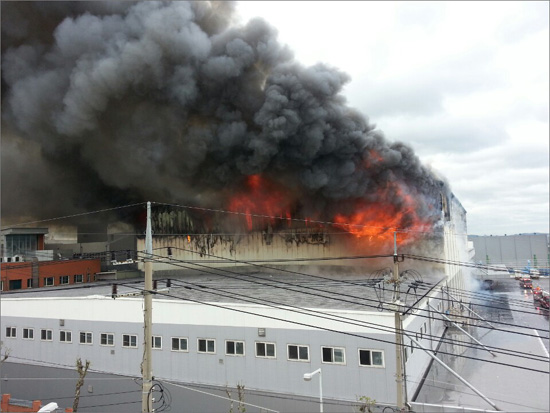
(106, 103)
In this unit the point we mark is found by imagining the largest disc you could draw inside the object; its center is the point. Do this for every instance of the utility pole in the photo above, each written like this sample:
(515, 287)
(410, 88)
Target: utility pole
(398, 329)
(146, 366)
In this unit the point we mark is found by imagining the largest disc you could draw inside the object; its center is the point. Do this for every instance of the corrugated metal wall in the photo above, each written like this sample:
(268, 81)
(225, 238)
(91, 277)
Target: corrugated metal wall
(512, 250)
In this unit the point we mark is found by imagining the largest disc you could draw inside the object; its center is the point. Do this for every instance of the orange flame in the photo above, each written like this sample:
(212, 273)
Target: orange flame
(374, 222)
(377, 221)
(263, 197)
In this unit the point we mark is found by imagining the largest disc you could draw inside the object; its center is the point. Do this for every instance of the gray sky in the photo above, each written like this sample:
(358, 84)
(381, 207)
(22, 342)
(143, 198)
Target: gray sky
(465, 83)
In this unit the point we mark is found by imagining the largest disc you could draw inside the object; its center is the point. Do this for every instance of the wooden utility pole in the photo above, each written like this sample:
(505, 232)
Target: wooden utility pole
(398, 329)
(146, 366)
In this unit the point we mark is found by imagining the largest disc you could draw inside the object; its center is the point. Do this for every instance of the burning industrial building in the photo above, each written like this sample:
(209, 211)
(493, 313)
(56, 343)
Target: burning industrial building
(110, 103)
(249, 158)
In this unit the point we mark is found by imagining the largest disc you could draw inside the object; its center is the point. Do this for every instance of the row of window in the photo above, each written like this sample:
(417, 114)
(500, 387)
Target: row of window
(63, 279)
(66, 336)
(48, 281)
(295, 352)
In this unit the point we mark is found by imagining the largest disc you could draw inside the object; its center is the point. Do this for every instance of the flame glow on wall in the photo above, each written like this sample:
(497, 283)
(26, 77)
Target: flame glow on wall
(372, 223)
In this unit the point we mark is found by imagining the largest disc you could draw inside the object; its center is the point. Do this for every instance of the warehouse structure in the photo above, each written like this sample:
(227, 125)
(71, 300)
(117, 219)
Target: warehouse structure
(514, 251)
(222, 328)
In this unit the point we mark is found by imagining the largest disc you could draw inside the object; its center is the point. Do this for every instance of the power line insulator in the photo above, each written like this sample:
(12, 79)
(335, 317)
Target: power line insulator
(168, 283)
(114, 291)
(155, 283)
(170, 251)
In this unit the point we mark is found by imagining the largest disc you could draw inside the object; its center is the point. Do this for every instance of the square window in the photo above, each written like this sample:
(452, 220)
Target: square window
(77, 278)
(206, 345)
(334, 355)
(179, 344)
(129, 340)
(11, 332)
(64, 279)
(48, 281)
(65, 336)
(234, 348)
(297, 352)
(28, 334)
(373, 358)
(157, 342)
(107, 339)
(378, 358)
(46, 335)
(264, 349)
(86, 337)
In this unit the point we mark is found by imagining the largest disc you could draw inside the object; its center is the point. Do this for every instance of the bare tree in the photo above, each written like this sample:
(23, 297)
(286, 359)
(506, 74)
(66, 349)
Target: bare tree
(82, 370)
(6, 354)
(240, 391)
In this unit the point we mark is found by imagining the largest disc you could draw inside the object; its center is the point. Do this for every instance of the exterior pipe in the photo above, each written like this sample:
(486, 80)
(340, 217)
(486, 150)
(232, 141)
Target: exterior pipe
(454, 373)
(470, 310)
(461, 329)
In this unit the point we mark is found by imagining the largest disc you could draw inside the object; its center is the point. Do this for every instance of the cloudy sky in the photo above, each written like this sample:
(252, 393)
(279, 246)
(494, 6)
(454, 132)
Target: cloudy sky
(465, 83)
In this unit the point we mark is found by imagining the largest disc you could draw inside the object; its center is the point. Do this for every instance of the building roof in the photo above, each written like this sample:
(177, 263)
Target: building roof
(343, 292)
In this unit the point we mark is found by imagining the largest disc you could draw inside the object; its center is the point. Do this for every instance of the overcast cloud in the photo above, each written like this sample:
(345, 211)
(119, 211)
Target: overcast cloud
(465, 83)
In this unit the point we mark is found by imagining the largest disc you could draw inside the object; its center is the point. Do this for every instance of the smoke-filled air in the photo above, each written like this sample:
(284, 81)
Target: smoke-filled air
(109, 103)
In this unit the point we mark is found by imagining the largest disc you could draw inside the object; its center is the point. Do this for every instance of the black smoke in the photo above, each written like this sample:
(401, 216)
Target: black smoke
(106, 103)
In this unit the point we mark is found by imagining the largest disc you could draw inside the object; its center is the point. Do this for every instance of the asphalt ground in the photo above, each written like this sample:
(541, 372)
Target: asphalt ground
(511, 389)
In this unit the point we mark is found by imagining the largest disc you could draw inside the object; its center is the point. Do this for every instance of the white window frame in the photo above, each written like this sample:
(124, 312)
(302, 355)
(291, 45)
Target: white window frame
(29, 336)
(68, 333)
(179, 349)
(63, 278)
(130, 337)
(78, 278)
(265, 343)
(333, 348)
(29, 282)
(298, 347)
(371, 351)
(235, 342)
(88, 338)
(153, 342)
(49, 334)
(107, 336)
(47, 283)
(11, 332)
(207, 341)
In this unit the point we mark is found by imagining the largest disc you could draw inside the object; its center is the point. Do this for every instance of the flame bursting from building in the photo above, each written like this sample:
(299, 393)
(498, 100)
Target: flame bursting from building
(263, 199)
(261, 196)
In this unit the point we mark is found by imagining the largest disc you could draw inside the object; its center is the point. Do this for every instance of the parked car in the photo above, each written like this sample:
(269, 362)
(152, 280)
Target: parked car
(525, 282)
(537, 293)
(535, 274)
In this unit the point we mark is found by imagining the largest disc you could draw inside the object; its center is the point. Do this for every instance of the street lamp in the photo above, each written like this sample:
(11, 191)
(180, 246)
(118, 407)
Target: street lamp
(308, 376)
